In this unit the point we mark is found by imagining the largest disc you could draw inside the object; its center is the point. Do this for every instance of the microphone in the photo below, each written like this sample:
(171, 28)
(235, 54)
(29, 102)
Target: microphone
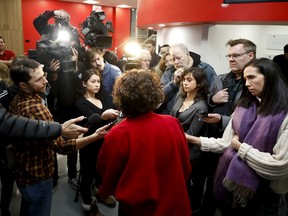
(92, 120)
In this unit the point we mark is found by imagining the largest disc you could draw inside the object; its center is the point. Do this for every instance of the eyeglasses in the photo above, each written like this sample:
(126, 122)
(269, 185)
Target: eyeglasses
(235, 55)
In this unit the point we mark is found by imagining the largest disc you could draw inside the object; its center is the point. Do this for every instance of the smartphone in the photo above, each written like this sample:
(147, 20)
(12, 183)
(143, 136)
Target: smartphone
(202, 113)
(111, 124)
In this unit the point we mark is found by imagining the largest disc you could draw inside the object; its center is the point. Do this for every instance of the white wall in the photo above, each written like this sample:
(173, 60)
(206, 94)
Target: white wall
(209, 40)
(189, 35)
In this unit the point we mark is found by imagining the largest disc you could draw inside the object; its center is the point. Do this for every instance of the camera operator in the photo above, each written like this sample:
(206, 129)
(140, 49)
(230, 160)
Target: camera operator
(58, 50)
(61, 103)
(62, 21)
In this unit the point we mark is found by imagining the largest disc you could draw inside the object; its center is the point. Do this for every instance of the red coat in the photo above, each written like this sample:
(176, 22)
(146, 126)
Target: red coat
(144, 162)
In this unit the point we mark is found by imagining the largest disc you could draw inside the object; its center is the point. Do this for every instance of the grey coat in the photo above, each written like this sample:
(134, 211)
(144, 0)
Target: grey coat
(190, 121)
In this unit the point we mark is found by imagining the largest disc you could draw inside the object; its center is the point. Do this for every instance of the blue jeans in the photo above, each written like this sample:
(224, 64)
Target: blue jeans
(36, 198)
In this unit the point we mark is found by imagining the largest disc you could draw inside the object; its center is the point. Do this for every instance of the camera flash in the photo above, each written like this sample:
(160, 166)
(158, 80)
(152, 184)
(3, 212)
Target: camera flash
(63, 36)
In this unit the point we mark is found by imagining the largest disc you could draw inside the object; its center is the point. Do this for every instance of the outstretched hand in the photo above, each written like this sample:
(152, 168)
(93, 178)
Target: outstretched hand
(212, 118)
(102, 131)
(110, 114)
(193, 139)
(71, 130)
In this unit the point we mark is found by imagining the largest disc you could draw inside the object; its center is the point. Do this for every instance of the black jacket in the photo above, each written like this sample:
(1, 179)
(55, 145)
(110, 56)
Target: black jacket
(44, 28)
(17, 126)
(155, 58)
(13, 126)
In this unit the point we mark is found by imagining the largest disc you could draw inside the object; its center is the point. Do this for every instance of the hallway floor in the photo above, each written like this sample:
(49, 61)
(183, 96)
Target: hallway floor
(63, 198)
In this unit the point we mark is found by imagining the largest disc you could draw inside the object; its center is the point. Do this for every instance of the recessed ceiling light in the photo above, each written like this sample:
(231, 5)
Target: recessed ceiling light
(123, 6)
(162, 25)
(150, 27)
(223, 5)
(90, 2)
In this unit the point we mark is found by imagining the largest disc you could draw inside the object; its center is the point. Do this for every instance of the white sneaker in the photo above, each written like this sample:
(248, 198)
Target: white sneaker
(86, 207)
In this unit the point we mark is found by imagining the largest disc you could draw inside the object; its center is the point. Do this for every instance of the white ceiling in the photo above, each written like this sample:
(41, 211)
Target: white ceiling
(111, 3)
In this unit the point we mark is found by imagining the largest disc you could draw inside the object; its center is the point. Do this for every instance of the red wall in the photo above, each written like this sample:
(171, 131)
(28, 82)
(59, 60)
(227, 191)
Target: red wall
(78, 12)
(152, 13)
(122, 29)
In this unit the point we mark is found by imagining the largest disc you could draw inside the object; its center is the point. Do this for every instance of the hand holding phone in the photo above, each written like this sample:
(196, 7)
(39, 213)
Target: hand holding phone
(117, 120)
(111, 124)
(202, 113)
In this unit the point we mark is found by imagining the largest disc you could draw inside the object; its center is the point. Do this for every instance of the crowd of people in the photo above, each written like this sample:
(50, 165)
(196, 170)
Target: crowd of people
(167, 137)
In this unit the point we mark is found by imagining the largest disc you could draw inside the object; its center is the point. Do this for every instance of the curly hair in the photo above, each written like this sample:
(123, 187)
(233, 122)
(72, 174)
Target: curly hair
(201, 81)
(137, 92)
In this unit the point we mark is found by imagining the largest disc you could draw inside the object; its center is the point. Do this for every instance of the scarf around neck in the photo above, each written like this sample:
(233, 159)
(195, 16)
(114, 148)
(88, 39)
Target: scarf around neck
(233, 174)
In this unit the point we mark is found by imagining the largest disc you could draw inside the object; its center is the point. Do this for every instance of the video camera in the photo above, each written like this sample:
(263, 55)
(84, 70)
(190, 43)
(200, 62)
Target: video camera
(96, 32)
(60, 50)
(50, 47)
(56, 45)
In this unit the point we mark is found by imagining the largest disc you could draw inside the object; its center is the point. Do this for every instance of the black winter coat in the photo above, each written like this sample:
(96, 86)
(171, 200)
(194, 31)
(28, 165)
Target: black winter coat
(17, 126)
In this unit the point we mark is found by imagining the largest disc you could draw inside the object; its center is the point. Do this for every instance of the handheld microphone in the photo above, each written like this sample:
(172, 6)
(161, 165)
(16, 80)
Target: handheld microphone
(92, 120)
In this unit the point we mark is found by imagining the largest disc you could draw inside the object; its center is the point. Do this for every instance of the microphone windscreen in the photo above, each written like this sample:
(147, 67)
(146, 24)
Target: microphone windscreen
(94, 119)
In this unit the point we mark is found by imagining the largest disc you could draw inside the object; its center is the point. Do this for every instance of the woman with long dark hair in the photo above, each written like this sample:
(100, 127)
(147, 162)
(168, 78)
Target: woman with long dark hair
(253, 170)
(91, 101)
(189, 103)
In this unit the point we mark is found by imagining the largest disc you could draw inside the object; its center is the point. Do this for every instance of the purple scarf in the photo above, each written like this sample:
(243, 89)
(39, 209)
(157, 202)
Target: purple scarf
(233, 174)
